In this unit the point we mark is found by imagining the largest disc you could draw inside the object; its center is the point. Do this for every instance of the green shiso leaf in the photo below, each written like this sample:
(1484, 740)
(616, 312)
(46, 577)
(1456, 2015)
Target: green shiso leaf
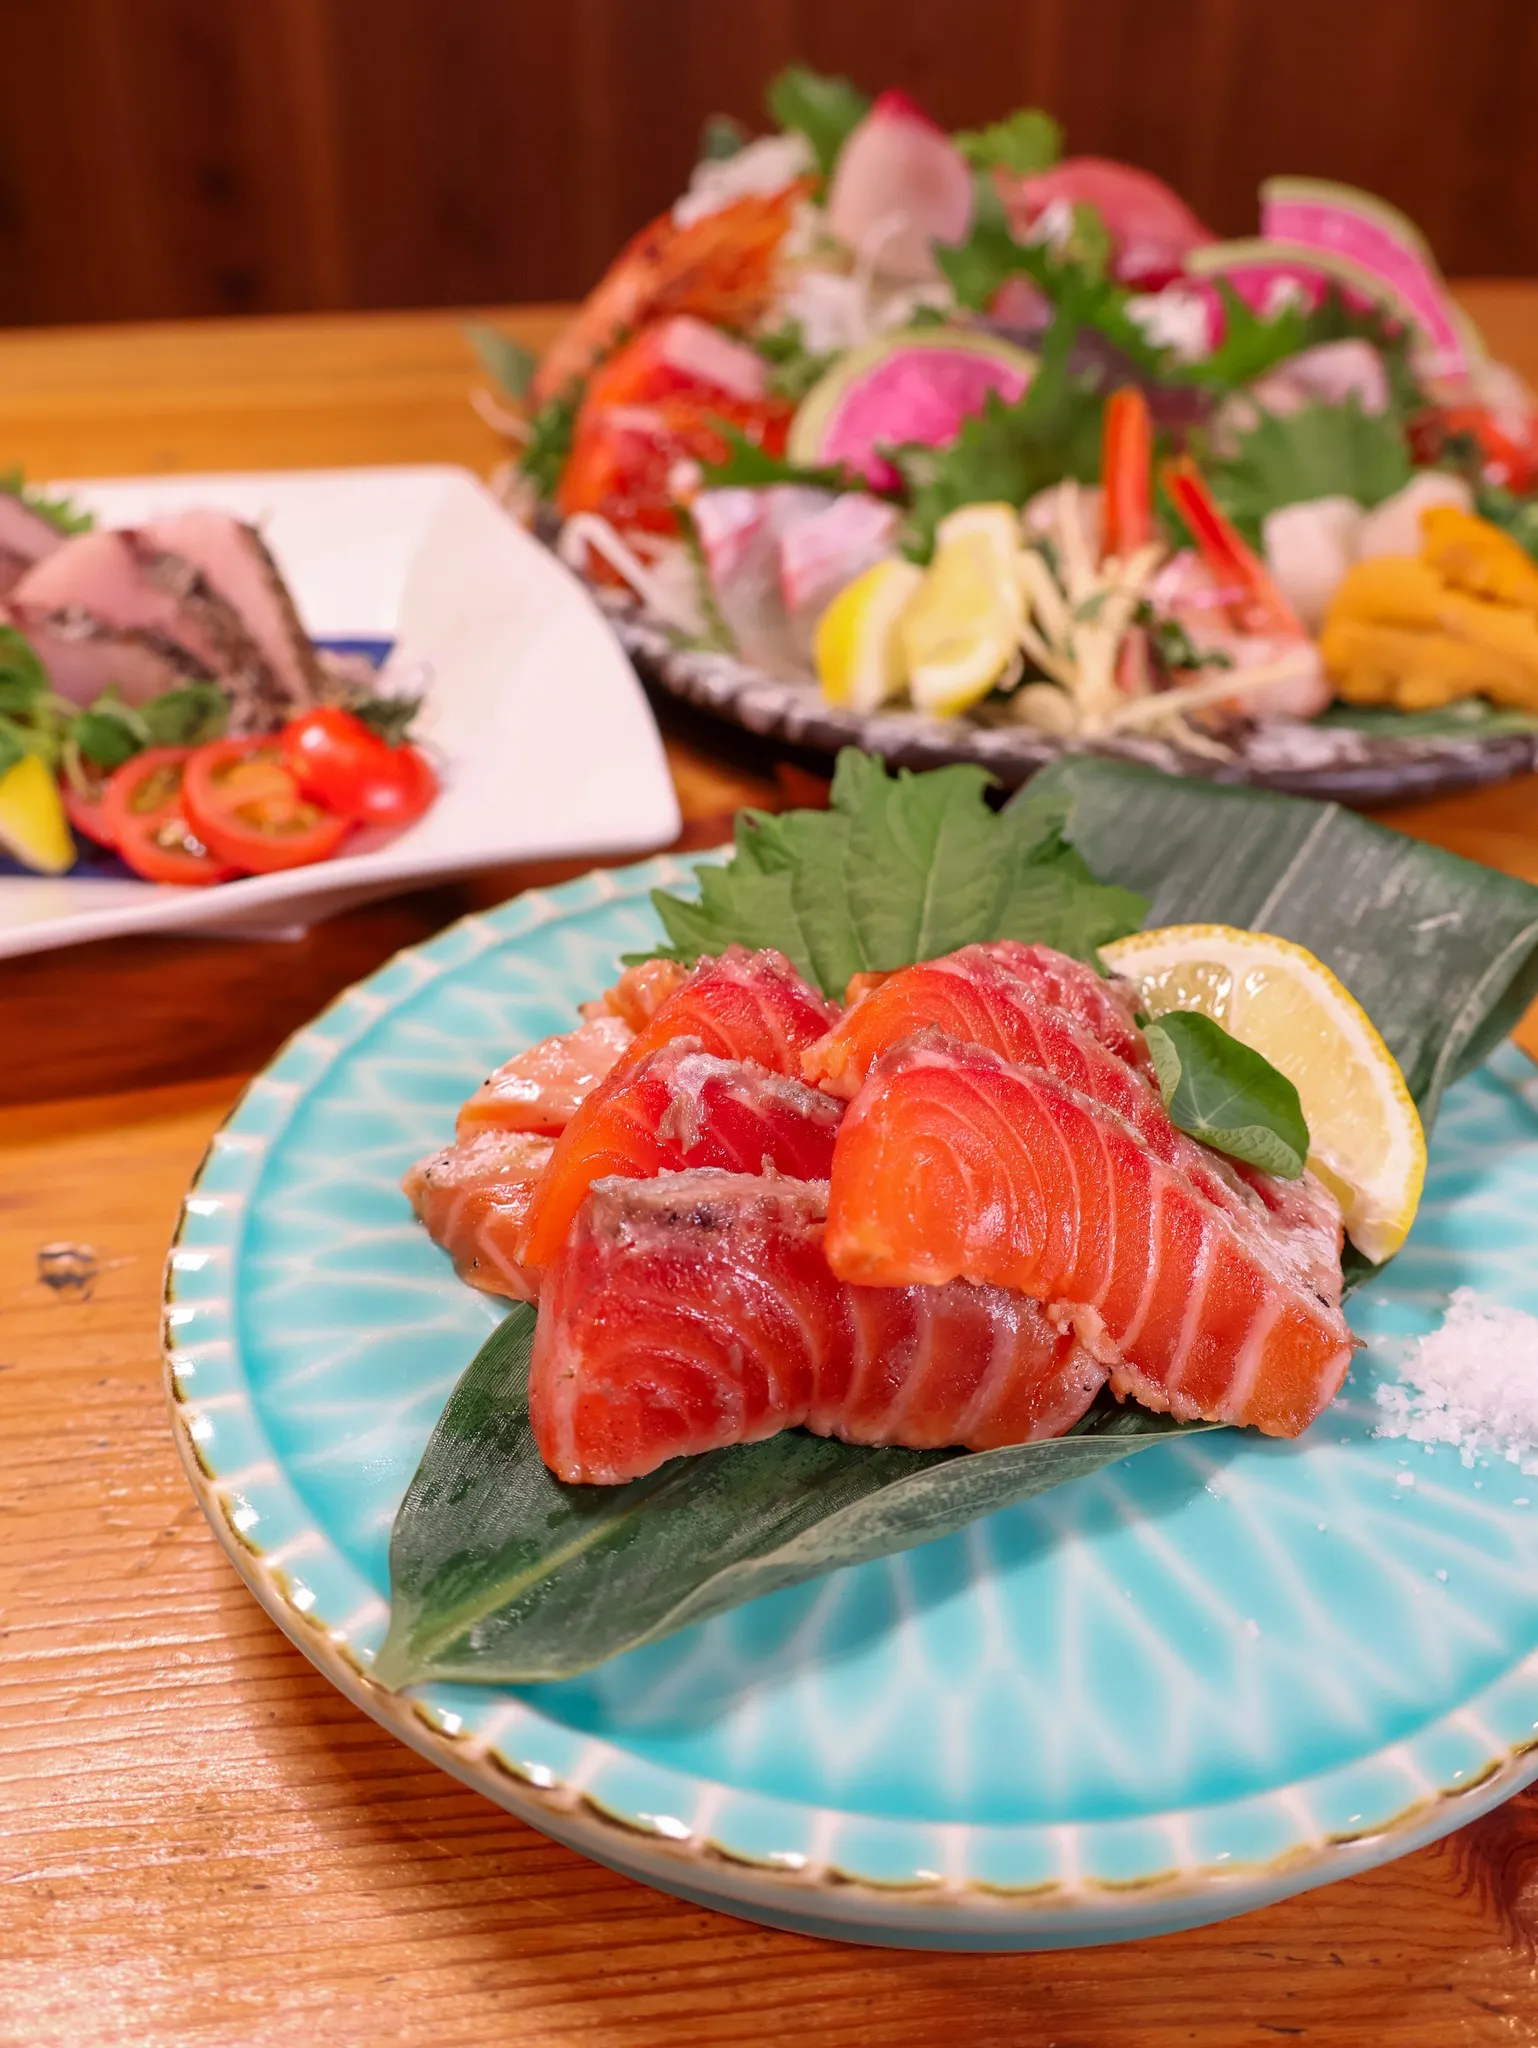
(499, 1573)
(508, 361)
(1228, 1095)
(898, 869)
(823, 109)
(1317, 452)
(793, 367)
(1028, 141)
(549, 444)
(748, 466)
(1250, 345)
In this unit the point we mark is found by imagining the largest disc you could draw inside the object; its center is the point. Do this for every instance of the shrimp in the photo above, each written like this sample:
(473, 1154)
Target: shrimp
(720, 268)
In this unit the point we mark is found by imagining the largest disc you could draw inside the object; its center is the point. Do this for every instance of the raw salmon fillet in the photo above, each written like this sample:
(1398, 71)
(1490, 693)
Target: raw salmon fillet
(680, 1107)
(975, 995)
(473, 1198)
(541, 1089)
(698, 1310)
(742, 1006)
(952, 1163)
(639, 993)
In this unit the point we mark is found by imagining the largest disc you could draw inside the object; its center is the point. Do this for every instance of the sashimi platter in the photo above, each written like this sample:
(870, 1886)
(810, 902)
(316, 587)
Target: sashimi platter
(954, 446)
(920, 1380)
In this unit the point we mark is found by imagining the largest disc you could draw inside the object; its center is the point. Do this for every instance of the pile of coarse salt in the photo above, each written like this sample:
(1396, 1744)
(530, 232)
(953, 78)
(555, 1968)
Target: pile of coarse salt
(1473, 1383)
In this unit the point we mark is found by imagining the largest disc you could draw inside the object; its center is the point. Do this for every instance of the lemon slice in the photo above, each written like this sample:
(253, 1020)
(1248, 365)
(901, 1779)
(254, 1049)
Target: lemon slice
(1365, 1136)
(857, 648)
(962, 631)
(33, 826)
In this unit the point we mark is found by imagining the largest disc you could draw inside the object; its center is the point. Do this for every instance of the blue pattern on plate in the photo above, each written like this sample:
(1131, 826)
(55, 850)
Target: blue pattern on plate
(1217, 1656)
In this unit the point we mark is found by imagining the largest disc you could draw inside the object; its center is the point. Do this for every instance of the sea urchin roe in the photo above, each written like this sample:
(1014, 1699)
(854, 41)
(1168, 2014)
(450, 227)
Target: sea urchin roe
(1473, 1383)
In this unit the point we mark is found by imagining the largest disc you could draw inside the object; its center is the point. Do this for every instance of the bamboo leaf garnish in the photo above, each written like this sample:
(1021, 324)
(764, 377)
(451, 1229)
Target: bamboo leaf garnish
(500, 1573)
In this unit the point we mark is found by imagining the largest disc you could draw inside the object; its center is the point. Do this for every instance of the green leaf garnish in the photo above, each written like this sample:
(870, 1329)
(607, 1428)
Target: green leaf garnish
(391, 717)
(794, 368)
(549, 445)
(500, 1573)
(721, 138)
(507, 361)
(23, 679)
(1028, 141)
(1250, 345)
(188, 716)
(748, 466)
(61, 513)
(823, 109)
(1317, 452)
(1227, 1095)
(898, 869)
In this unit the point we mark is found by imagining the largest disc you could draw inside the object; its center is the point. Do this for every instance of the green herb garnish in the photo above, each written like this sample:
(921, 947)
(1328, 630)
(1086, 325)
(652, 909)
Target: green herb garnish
(1226, 1095)
(823, 109)
(793, 367)
(60, 513)
(722, 138)
(507, 361)
(548, 448)
(1320, 451)
(1028, 141)
(747, 466)
(898, 869)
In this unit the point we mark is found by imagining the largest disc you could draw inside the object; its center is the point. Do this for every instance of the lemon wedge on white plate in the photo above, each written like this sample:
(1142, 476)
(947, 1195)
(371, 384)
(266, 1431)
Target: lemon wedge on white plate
(1365, 1136)
(961, 633)
(33, 826)
(857, 648)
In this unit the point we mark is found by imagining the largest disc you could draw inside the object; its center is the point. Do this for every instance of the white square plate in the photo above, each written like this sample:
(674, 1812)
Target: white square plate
(542, 736)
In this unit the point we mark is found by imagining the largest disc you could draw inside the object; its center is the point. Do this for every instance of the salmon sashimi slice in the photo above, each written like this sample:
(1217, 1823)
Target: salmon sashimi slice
(639, 993)
(473, 1198)
(742, 1006)
(1107, 1010)
(541, 1089)
(950, 1164)
(973, 996)
(679, 1108)
(698, 1310)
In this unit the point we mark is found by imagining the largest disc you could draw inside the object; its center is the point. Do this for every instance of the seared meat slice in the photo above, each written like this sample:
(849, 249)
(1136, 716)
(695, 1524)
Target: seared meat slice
(235, 563)
(84, 656)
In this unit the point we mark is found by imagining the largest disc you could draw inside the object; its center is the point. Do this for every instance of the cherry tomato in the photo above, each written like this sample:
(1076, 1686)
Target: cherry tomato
(245, 805)
(83, 805)
(144, 817)
(339, 762)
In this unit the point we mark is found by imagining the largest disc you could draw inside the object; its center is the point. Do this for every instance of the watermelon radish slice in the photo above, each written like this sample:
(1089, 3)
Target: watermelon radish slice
(1377, 242)
(916, 385)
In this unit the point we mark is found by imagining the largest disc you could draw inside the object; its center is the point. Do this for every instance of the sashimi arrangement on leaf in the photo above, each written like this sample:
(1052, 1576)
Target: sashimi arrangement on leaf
(934, 1155)
(879, 423)
(161, 701)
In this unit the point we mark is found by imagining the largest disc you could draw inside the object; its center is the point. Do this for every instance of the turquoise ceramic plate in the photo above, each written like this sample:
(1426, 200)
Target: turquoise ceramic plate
(1221, 1673)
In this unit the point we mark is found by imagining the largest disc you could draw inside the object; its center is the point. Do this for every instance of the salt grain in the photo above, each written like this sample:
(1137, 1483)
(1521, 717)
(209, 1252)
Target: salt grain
(1472, 1383)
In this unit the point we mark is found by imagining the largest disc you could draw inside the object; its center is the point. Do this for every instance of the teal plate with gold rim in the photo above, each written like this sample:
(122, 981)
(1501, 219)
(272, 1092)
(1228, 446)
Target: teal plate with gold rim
(1219, 1673)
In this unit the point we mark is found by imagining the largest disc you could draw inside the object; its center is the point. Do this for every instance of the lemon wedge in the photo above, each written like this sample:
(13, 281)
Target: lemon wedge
(33, 826)
(962, 630)
(1365, 1137)
(857, 648)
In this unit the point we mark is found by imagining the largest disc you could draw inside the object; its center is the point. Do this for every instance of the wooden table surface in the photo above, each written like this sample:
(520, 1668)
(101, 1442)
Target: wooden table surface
(201, 1842)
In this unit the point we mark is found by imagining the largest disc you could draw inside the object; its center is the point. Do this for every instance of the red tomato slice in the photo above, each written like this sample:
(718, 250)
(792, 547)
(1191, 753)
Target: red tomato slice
(340, 763)
(83, 806)
(144, 818)
(244, 803)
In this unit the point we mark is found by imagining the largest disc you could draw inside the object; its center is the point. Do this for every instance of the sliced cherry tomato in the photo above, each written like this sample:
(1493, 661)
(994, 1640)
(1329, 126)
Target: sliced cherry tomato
(244, 803)
(83, 805)
(339, 762)
(144, 817)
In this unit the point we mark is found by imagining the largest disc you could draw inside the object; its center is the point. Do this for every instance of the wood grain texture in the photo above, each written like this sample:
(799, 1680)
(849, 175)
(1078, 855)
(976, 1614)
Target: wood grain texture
(201, 1844)
(165, 158)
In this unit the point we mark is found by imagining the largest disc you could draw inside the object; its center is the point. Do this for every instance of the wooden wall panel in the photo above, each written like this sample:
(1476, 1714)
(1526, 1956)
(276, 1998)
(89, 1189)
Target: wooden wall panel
(177, 157)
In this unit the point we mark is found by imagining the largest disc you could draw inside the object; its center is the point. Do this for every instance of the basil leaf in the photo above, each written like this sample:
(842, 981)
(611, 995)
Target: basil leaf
(507, 361)
(1227, 1095)
(825, 110)
(1028, 141)
(500, 1573)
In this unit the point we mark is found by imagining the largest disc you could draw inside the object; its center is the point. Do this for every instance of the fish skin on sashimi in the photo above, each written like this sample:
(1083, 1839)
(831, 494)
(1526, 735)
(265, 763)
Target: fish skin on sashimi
(698, 1310)
(953, 1164)
(472, 1198)
(972, 996)
(542, 1088)
(680, 1107)
(742, 1006)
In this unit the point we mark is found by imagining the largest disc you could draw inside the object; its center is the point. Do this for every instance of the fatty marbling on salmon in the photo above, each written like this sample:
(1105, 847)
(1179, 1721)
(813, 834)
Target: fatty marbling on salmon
(697, 1310)
(742, 1006)
(473, 1198)
(951, 1163)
